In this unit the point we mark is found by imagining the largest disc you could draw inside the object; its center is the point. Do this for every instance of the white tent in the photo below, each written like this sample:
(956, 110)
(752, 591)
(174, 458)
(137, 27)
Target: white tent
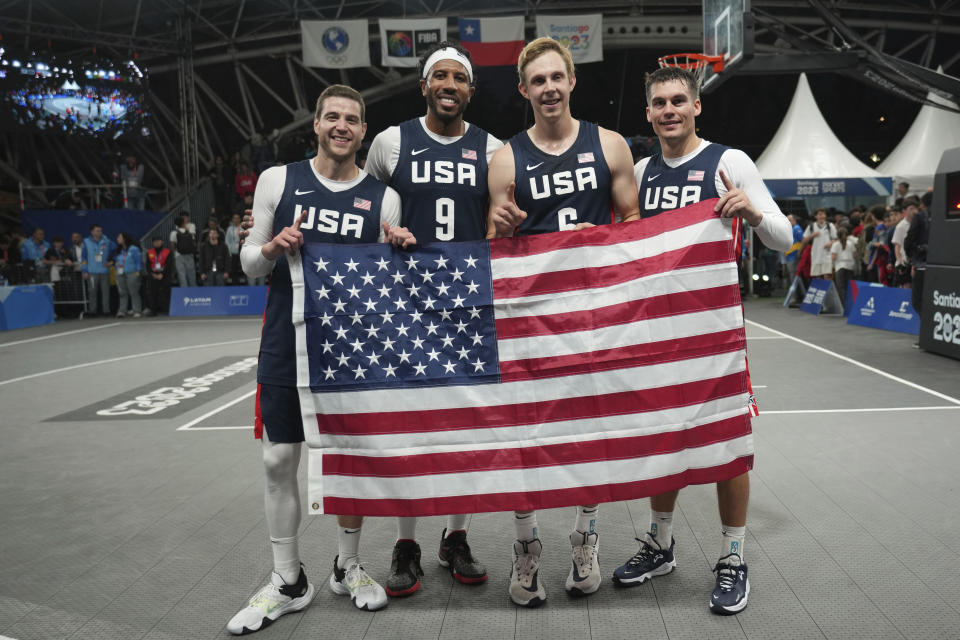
(805, 146)
(915, 159)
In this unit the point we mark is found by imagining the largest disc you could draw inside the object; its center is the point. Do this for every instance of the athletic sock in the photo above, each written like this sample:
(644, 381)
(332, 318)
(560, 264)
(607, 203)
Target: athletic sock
(586, 521)
(406, 528)
(661, 526)
(733, 538)
(456, 522)
(348, 543)
(286, 558)
(526, 525)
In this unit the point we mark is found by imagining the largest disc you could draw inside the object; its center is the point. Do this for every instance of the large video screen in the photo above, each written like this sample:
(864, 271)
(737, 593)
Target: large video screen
(94, 98)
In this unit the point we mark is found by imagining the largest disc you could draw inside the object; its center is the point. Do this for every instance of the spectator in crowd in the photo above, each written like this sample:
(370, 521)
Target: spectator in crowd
(877, 262)
(246, 180)
(792, 255)
(915, 246)
(56, 258)
(843, 256)
(98, 253)
(128, 262)
(131, 176)
(212, 224)
(856, 222)
(16, 241)
(6, 263)
(76, 250)
(821, 236)
(183, 239)
(899, 193)
(214, 260)
(902, 263)
(865, 241)
(222, 187)
(232, 240)
(32, 253)
(245, 205)
(158, 284)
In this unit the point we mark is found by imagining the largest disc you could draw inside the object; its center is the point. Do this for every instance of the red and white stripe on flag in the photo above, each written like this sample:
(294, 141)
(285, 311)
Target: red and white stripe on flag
(622, 375)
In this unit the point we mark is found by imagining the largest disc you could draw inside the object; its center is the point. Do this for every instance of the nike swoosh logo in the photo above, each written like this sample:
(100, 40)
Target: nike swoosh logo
(532, 167)
(416, 152)
(302, 193)
(649, 178)
(576, 574)
(533, 585)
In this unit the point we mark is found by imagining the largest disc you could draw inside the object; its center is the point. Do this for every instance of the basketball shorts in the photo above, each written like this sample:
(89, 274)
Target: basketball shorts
(277, 410)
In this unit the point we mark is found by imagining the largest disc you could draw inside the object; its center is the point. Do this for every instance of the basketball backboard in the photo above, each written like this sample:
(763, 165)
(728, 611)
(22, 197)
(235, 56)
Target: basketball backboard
(723, 35)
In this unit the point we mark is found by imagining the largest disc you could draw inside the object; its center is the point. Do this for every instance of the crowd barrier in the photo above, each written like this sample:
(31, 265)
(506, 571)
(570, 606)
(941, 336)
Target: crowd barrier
(873, 305)
(217, 301)
(26, 306)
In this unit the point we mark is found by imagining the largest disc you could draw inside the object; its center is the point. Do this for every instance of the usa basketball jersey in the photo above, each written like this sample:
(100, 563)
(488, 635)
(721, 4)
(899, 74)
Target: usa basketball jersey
(351, 216)
(442, 187)
(664, 188)
(558, 192)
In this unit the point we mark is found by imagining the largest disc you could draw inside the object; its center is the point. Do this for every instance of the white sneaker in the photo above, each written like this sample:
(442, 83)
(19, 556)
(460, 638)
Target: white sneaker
(584, 575)
(271, 602)
(526, 589)
(357, 583)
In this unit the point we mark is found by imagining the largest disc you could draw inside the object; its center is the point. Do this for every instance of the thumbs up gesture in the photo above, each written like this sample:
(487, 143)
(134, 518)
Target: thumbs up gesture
(735, 203)
(505, 214)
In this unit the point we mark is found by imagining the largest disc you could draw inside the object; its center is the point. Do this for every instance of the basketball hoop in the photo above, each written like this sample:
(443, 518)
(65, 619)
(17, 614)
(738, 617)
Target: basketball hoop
(696, 63)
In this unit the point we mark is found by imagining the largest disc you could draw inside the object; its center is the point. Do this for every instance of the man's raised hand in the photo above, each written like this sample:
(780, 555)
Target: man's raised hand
(289, 239)
(507, 216)
(736, 203)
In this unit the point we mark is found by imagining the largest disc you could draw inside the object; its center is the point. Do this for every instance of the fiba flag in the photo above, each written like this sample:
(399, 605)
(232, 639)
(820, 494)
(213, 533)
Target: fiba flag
(340, 44)
(581, 34)
(522, 373)
(402, 42)
(492, 41)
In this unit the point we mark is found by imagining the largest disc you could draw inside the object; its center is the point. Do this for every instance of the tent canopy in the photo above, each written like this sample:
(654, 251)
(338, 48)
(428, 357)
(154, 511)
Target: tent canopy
(806, 159)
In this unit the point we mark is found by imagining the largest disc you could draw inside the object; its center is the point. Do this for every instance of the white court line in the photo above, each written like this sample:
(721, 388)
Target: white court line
(187, 427)
(57, 335)
(869, 410)
(218, 320)
(879, 372)
(249, 427)
(130, 357)
(766, 338)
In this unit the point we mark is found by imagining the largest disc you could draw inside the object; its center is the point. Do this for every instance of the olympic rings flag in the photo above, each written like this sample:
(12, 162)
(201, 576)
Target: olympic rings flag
(568, 368)
(581, 34)
(340, 44)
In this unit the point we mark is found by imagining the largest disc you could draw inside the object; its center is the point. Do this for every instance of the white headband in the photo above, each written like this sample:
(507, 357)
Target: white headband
(447, 53)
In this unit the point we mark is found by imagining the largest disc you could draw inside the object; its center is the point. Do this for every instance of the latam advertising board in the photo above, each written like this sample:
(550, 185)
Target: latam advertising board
(218, 301)
(940, 331)
(874, 305)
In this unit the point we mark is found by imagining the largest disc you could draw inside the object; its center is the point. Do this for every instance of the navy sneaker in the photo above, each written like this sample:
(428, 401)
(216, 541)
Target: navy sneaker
(650, 561)
(733, 587)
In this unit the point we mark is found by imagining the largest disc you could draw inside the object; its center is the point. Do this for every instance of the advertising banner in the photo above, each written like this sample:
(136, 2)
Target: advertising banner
(218, 301)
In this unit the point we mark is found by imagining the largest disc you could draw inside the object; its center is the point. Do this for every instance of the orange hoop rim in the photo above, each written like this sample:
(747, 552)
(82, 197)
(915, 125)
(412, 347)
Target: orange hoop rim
(696, 62)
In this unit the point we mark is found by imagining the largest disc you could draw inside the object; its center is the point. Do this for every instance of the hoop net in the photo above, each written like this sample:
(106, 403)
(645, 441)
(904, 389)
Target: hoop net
(696, 63)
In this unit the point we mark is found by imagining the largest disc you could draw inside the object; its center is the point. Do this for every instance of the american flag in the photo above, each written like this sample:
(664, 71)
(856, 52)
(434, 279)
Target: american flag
(568, 368)
(468, 154)
(585, 157)
(695, 176)
(361, 203)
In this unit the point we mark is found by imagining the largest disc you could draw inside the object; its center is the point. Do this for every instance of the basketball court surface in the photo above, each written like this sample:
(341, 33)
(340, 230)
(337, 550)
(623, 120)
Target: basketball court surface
(119, 524)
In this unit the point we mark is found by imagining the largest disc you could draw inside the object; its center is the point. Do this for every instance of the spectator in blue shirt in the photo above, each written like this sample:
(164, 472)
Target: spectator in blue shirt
(32, 253)
(792, 255)
(128, 264)
(98, 253)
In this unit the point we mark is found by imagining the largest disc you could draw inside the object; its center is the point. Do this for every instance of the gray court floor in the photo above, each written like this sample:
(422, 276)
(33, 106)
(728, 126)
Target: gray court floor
(122, 525)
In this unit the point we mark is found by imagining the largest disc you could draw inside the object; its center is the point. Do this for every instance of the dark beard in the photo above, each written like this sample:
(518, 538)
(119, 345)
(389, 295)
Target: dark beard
(442, 115)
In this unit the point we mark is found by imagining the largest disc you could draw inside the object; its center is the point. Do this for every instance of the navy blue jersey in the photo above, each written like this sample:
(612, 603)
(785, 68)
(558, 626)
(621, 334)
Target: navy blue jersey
(663, 188)
(557, 192)
(442, 187)
(344, 217)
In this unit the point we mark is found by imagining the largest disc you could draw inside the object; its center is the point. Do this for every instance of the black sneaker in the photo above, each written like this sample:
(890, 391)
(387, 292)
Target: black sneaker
(455, 555)
(733, 587)
(405, 569)
(650, 561)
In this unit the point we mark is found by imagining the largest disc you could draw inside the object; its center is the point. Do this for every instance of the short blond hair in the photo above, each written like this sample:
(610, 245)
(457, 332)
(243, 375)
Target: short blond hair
(341, 91)
(537, 48)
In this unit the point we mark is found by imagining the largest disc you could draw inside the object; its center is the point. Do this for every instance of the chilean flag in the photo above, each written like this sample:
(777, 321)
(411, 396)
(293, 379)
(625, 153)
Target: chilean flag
(492, 41)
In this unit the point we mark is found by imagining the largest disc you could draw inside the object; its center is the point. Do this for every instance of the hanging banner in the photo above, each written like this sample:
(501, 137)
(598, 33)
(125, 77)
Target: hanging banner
(492, 41)
(340, 44)
(581, 34)
(402, 42)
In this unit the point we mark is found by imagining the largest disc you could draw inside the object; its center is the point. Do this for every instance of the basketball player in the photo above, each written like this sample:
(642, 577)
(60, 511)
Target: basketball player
(560, 174)
(330, 181)
(689, 170)
(438, 165)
